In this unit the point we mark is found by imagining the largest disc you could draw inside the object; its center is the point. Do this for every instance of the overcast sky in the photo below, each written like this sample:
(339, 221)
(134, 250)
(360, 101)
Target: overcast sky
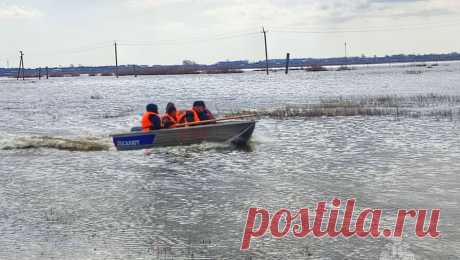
(60, 32)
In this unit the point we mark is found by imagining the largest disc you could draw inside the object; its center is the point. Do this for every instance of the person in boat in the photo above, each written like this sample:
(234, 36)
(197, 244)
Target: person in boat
(203, 113)
(198, 113)
(171, 117)
(150, 119)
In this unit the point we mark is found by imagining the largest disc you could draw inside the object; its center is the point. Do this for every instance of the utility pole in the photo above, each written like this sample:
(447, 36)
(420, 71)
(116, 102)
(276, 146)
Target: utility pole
(22, 61)
(21, 66)
(346, 61)
(46, 72)
(266, 51)
(134, 71)
(287, 63)
(116, 60)
(40, 73)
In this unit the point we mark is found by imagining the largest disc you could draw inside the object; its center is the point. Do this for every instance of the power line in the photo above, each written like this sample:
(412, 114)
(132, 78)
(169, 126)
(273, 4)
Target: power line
(76, 50)
(241, 34)
(178, 42)
(193, 40)
(365, 29)
(443, 23)
(81, 50)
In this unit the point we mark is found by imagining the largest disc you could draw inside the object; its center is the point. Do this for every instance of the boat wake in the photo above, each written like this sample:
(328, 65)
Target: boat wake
(187, 150)
(37, 142)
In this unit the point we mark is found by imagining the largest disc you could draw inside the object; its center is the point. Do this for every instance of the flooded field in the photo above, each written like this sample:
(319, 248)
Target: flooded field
(387, 136)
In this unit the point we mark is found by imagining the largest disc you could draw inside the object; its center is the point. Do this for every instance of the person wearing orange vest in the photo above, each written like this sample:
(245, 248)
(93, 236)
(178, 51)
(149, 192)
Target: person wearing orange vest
(202, 112)
(150, 119)
(171, 117)
(199, 112)
(188, 116)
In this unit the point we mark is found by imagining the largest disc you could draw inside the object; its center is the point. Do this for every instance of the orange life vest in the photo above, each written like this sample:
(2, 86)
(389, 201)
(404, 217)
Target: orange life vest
(145, 121)
(183, 116)
(173, 119)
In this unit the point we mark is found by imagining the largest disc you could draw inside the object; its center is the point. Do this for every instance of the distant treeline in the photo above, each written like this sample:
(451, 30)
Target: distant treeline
(226, 66)
(400, 58)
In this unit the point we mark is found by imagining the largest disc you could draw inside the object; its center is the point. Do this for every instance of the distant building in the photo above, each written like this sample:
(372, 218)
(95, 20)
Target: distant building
(188, 63)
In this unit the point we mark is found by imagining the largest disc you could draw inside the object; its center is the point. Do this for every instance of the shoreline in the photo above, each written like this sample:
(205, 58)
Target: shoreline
(183, 70)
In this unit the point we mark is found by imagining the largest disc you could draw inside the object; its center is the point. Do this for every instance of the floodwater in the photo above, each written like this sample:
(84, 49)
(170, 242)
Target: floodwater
(67, 194)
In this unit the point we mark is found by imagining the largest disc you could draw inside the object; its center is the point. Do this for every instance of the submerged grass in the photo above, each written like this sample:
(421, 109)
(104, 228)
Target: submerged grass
(431, 105)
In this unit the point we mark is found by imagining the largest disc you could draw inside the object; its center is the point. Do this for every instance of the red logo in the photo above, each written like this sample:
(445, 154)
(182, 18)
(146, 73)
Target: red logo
(327, 223)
